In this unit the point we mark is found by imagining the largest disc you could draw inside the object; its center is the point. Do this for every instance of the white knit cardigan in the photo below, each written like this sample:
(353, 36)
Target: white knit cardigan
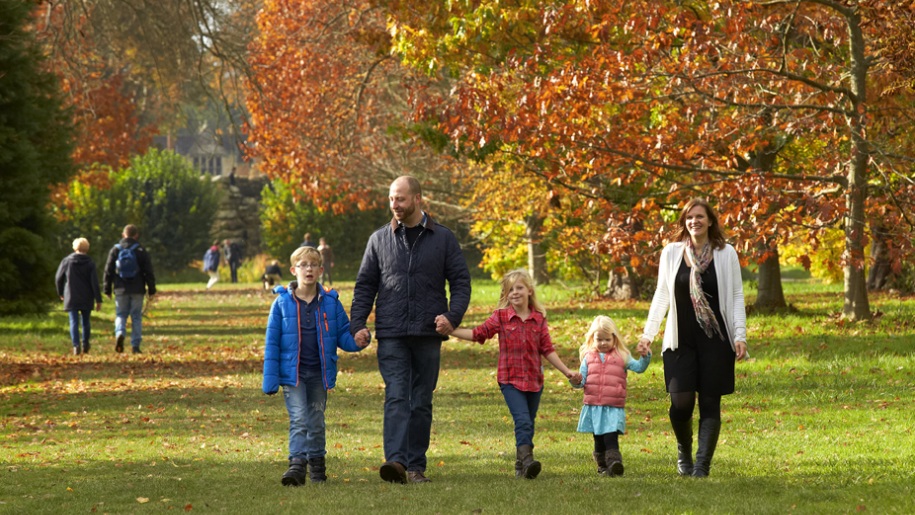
(730, 295)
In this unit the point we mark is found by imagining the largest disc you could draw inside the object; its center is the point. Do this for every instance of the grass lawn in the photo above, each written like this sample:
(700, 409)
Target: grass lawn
(821, 421)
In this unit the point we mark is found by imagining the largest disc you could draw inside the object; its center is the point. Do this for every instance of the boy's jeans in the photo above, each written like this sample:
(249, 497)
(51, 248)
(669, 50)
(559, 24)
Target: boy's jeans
(77, 315)
(523, 407)
(129, 304)
(306, 404)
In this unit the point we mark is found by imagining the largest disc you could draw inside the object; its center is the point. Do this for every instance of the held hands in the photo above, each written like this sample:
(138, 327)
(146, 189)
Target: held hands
(363, 337)
(574, 378)
(644, 347)
(443, 325)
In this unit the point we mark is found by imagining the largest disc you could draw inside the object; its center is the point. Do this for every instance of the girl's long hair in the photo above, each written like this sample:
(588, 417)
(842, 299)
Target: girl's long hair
(603, 325)
(715, 233)
(525, 278)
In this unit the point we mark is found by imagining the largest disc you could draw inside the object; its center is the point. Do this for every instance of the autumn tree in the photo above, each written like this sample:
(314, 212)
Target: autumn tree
(673, 100)
(35, 144)
(330, 106)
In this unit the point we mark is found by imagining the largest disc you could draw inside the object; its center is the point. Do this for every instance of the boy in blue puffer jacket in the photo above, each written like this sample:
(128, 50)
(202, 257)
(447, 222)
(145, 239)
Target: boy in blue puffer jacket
(306, 325)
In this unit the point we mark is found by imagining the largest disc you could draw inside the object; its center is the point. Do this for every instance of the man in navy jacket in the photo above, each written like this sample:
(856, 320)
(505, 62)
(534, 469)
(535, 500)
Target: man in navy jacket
(403, 274)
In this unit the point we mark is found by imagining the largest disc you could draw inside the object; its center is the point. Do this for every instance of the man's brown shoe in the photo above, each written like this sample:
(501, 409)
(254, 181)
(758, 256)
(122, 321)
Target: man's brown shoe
(393, 472)
(415, 476)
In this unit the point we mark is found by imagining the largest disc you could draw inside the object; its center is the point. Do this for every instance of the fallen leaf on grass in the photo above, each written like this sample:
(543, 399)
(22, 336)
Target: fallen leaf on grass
(142, 500)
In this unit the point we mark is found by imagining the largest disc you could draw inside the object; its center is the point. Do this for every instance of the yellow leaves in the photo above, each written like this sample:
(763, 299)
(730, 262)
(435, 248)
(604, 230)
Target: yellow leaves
(142, 500)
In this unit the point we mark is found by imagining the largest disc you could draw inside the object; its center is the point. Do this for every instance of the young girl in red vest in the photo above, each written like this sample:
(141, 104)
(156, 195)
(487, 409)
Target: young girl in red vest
(604, 362)
(520, 322)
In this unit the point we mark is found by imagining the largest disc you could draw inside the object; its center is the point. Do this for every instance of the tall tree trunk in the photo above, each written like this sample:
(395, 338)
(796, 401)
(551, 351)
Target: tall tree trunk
(771, 295)
(536, 253)
(623, 286)
(856, 305)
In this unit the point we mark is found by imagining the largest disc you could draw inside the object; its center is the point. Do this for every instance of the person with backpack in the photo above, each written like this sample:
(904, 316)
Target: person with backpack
(129, 274)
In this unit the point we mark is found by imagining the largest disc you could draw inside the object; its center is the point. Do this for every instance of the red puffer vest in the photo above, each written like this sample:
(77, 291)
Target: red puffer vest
(606, 381)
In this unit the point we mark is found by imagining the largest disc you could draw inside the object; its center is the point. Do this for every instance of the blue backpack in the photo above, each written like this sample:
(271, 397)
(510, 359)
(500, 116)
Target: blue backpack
(126, 264)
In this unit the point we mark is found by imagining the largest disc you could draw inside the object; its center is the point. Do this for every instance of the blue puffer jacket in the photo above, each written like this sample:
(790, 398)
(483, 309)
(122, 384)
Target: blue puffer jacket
(283, 343)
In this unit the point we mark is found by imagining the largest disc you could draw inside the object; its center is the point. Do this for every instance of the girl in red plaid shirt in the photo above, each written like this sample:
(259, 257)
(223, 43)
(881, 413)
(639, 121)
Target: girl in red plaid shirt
(520, 322)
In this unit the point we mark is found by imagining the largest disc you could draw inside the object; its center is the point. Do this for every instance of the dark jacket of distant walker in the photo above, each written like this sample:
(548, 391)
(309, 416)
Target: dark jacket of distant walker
(77, 282)
(135, 285)
(410, 283)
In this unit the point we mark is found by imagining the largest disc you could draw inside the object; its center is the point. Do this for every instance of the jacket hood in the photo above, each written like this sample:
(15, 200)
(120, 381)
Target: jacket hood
(330, 292)
(78, 258)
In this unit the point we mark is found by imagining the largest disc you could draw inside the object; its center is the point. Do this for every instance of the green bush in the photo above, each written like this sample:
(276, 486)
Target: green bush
(284, 221)
(162, 194)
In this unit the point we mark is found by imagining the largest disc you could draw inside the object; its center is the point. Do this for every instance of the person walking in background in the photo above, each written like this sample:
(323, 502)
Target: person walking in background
(306, 241)
(211, 264)
(129, 274)
(272, 274)
(327, 254)
(520, 322)
(233, 256)
(78, 286)
(604, 362)
(306, 326)
(403, 274)
(701, 292)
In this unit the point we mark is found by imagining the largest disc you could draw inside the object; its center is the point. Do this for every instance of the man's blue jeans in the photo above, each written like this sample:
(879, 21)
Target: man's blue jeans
(77, 316)
(523, 407)
(306, 404)
(409, 367)
(129, 304)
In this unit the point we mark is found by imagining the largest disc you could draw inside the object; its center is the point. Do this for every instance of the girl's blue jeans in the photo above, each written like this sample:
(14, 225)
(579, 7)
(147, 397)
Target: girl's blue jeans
(523, 407)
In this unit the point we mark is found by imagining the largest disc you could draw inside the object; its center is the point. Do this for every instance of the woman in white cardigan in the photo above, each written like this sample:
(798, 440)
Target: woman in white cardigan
(701, 293)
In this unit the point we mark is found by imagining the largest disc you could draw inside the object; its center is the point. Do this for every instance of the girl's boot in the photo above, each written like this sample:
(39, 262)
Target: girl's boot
(683, 430)
(601, 461)
(297, 472)
(709, 428)
(614, 462)
(529, 466)
(318, 469)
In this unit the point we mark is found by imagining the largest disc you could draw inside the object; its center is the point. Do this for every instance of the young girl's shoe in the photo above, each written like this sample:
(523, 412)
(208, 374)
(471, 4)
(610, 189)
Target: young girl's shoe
(601, 462)
(614, 462)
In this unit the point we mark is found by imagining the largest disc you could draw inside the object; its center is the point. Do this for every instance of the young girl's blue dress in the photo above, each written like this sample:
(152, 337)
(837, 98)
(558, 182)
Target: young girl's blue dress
(600, 420)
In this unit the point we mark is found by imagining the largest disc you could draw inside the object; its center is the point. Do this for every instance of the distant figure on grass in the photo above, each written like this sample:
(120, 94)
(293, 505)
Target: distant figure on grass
(520, 322)
(701, 292)
(272, 274)
(211, 264)
(306, 326)
(233, 257)
(307, 242)
(604, 362)
(78, 287)
(129, 274)
(404, 270)
(327, 254)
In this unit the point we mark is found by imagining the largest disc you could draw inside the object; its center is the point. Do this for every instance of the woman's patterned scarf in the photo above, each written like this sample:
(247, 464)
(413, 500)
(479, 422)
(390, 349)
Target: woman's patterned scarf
(704, 314)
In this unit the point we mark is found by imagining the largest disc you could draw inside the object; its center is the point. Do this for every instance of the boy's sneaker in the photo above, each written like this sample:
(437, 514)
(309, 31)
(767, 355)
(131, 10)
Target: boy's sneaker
(393, 472)
(119, 345)
(297, 472)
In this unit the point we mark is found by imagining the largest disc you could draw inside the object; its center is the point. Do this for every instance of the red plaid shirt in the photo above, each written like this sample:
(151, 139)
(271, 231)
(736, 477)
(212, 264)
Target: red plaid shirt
(521, 343)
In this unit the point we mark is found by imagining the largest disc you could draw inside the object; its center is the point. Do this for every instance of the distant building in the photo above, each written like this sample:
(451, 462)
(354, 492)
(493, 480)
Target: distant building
(214, 155)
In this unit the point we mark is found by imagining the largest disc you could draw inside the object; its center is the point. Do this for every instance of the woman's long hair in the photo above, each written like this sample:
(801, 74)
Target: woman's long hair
(715, 232)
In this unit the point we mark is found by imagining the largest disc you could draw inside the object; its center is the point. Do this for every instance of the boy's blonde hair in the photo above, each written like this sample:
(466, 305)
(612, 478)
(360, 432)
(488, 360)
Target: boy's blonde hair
(509, 280)
(81, 245)
(603, 325)
(309, 254)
